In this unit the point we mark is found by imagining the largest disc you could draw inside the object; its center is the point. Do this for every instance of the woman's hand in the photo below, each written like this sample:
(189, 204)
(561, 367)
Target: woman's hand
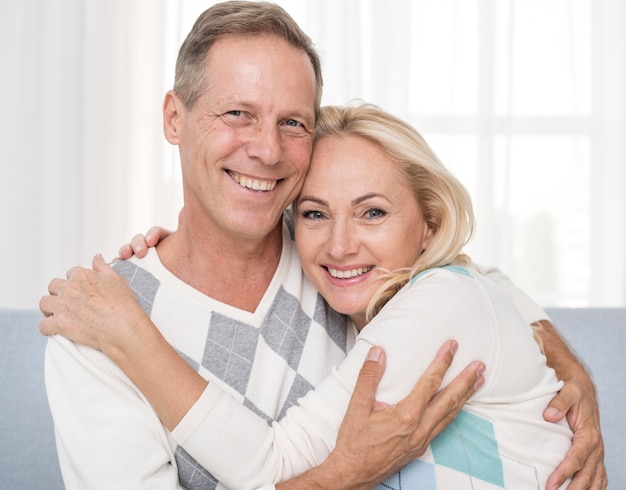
(95, 307)
(140, 244)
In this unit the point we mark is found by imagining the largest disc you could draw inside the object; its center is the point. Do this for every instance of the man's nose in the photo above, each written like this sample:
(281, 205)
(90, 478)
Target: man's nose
(265, 143)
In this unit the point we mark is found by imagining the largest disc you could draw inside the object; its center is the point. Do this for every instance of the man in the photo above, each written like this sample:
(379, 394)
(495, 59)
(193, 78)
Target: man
(225, 289)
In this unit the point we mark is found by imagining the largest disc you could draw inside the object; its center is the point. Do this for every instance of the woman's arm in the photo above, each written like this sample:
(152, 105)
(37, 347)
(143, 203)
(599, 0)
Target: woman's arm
(112, 321)
(353, 464)
(99, 310)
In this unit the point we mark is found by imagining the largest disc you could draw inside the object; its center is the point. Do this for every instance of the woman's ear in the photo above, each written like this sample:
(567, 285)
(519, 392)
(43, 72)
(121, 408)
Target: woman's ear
(427, 236)
(173, 110)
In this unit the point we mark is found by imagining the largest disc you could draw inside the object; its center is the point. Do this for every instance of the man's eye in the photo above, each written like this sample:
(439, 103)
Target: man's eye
(294, 126)
(234, 113)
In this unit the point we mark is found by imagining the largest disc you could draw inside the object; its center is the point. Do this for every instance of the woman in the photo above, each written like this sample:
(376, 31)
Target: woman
(380, 226)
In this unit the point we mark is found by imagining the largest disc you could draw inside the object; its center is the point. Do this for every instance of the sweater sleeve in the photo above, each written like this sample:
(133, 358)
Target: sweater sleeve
(243, 451)
(528, 307)
(258, 452)
(107, 435)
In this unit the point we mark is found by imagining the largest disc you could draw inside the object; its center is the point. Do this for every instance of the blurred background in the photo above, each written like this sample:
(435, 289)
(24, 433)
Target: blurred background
(524, 100)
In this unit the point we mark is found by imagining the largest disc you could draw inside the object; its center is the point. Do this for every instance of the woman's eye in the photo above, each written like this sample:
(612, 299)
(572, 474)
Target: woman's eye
(374, 213)
(313, 215)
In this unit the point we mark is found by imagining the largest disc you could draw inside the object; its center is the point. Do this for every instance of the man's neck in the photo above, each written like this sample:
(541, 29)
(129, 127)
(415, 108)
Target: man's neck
(231, 270)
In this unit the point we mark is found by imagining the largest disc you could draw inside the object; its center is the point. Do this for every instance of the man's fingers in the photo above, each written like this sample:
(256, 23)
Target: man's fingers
(431, 380)
(447, 404)
(364, 395)
(562, 403)
(585, 467)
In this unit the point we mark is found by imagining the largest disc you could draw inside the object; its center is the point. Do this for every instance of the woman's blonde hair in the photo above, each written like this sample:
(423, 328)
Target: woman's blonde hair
(443, 201)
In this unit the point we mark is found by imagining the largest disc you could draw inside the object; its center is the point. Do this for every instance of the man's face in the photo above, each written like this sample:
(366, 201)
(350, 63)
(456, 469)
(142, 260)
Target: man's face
(246, 144)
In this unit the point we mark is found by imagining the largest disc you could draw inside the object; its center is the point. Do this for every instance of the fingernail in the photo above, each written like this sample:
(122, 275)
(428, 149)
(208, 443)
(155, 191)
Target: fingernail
(139, 248)
(453, 347)
(551, 411)
(374, 354)
(479, 374)
(480, 370)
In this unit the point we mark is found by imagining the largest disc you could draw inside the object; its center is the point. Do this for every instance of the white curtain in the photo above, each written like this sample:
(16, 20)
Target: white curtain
(523, 99)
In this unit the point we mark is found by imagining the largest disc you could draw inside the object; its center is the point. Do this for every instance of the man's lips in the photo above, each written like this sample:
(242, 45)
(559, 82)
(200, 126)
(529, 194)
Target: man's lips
(253, 184)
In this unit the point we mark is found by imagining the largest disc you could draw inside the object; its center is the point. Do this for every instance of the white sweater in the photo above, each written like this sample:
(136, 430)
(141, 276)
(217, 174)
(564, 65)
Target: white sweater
(500, 440)
(109, 437)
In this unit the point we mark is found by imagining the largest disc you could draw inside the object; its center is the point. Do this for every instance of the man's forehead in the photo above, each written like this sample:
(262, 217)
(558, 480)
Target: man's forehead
(253, 70)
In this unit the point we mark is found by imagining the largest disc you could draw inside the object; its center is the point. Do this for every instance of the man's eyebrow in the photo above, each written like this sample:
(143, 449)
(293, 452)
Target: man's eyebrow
(307, 116)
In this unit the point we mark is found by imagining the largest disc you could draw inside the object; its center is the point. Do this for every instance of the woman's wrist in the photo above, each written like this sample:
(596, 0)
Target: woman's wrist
(131, 339)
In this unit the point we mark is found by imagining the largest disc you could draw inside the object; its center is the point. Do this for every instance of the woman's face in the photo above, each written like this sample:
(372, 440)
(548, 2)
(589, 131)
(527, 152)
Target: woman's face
(355, 219)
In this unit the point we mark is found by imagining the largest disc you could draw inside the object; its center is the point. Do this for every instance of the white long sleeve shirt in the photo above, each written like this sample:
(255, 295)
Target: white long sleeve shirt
(108, 436)
(500, 439)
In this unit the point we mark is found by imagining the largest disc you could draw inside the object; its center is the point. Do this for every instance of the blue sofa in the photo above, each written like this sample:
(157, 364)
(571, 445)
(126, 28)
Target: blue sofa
(27, 451)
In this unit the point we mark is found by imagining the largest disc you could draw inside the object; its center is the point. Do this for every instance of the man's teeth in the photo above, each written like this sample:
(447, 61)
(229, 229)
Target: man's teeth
(349, 273)
(255, 185)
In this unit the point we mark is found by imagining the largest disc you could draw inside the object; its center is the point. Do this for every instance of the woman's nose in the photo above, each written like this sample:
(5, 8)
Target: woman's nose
(343, 240)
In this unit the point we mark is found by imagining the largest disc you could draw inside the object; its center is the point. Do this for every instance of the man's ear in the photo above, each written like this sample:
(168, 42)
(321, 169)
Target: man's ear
(173, 110)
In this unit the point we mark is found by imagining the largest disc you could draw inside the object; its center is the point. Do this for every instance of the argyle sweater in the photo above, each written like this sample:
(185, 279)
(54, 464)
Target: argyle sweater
(500, 439)
(108, 436)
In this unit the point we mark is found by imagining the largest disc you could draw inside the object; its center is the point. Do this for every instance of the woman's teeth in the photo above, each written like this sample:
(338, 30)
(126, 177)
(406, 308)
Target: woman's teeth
(349, 273)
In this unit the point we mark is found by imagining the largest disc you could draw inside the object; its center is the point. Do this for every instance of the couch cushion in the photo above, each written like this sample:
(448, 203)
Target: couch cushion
(28, 457)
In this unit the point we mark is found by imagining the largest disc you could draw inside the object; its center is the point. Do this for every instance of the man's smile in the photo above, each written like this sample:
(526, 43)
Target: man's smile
(253, 184)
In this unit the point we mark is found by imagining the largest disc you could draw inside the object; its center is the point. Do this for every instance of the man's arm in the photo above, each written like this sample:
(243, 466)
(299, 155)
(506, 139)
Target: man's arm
(107, 435)
(576, 401)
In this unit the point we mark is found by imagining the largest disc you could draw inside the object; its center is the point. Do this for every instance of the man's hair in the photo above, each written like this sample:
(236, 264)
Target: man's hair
(443, 201)
(236, 18)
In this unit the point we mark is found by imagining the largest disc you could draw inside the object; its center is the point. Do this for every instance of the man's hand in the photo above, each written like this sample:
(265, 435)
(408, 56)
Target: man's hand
(375, 440)
(584, 462)
(585, 459)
